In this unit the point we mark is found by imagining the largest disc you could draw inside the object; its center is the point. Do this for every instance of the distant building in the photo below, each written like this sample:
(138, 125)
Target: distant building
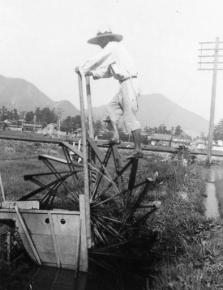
(168, 140)
(199, 144)
(50, 129)
(77, 133)
(217, 148)
(31, 127)
(220, 143)
(180, 141)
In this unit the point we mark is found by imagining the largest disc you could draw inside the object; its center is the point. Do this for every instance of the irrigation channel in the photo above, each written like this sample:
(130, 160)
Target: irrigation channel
(214, 190)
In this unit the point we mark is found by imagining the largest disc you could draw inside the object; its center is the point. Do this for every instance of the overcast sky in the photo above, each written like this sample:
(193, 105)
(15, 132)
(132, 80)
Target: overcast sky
(43, 40)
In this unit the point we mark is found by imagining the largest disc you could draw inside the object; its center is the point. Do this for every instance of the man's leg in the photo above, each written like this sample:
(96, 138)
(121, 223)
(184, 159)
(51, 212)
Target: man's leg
(136, 134)
(115, 112)
(130, 106)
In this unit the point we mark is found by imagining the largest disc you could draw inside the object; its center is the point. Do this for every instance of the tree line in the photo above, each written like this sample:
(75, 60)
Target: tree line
(218, 131)
(41, 116)
(45, 116)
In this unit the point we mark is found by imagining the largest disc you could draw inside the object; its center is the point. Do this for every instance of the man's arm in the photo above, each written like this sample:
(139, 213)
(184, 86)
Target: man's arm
(93, 63)
(100, 73)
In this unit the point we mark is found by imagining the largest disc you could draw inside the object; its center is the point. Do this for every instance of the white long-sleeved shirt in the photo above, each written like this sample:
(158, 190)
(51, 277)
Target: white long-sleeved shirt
(113, 61)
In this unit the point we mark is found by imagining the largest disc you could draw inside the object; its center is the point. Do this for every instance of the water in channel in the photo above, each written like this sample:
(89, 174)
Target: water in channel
(211, 176)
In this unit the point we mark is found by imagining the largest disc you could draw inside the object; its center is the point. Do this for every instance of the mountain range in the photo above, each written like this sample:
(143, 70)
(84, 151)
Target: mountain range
(24, 96)
(154, 109)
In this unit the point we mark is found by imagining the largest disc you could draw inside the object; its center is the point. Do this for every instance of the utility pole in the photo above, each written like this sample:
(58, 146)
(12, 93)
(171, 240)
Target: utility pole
(211, 60)
(34, 121)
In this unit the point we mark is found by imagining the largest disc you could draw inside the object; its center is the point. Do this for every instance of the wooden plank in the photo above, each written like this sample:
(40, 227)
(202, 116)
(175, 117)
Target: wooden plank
(56, 159)
(57, 252)
(22, 137)
(28, 204)
(27, 235)
(42, 211)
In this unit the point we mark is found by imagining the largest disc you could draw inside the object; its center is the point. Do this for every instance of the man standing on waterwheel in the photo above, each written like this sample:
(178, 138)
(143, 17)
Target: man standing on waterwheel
(115, 61)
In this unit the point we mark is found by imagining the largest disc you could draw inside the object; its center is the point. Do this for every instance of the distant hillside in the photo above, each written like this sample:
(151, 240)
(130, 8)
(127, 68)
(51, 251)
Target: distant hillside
(66, 108)
(20, 94)
(155, 109)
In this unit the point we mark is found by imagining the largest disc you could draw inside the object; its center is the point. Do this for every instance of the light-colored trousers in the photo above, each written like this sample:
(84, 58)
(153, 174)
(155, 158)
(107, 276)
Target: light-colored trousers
(125, 105)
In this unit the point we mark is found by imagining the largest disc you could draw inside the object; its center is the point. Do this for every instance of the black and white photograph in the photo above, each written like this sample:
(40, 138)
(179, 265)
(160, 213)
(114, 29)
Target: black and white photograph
(111, 145)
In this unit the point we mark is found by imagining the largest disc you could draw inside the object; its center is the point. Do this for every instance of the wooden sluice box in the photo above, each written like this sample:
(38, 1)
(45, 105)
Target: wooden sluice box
(51, 237)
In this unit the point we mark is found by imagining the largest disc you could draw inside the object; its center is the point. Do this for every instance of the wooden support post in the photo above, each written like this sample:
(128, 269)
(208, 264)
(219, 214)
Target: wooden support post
(78, 246)
(27, 235)
(91, 154)
(83, 244)
(85, 157)
(2, 188)
(89, 107)
(133, 172)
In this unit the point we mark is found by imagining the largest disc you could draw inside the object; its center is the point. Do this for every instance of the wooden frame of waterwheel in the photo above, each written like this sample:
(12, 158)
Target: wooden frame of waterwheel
(100, 179)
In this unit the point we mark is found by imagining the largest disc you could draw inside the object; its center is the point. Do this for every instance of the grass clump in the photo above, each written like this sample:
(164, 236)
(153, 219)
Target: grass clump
(187, 245)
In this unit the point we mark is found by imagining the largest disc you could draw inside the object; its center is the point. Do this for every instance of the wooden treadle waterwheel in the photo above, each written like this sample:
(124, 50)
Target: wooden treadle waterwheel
(113, 191)
(116, 190)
